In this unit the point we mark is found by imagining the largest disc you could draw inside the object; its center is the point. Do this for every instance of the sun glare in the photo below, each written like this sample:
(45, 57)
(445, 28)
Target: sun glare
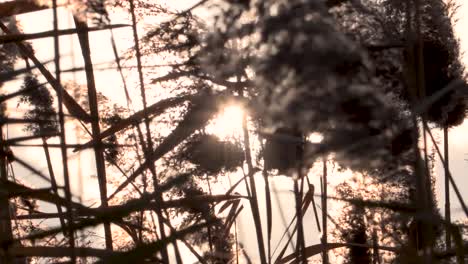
(228, 124)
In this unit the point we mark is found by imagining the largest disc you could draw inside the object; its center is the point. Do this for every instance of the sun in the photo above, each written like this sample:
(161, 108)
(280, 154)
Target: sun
(228, 123)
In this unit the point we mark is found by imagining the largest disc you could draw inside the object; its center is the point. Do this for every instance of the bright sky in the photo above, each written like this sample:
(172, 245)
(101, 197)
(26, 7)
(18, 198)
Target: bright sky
(108, 82)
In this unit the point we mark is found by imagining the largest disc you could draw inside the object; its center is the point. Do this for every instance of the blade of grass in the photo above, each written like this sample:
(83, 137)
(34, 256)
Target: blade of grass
(268, 203)
(253, 190)
(139, 253)
(47, 34)
(83, 38)
(30, 168)
(53, 182)
(62, 99)
(447, 190)
(138, 117)
(319, 248)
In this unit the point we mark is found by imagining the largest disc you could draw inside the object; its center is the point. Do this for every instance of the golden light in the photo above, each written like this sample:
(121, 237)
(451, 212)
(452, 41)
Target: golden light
(315, 137)
(228, 124)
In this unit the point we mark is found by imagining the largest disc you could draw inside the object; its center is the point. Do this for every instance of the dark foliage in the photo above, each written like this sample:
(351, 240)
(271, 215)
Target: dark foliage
(283, 150)
(39, 97)
(212, 155)
(357, 235)
(450, 109)
(218, 241)
(112, 150)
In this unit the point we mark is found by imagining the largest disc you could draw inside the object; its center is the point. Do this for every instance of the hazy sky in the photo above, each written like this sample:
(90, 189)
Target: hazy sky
(109, 83)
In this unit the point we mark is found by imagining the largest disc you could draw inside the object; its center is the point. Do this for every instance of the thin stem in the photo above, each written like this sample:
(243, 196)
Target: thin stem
(210, 237)
(53, 181)
(119, 67)
(149, 140)
(5, 217)
(253, 198)
(447, 190)
(324, 239)
(60, 93)
(83, 38)
(268, 203)
(452, 181)
(300, 246)
(235, 231)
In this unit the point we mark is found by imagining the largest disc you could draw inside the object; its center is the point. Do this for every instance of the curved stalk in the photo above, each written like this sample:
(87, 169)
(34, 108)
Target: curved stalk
(253, 191)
